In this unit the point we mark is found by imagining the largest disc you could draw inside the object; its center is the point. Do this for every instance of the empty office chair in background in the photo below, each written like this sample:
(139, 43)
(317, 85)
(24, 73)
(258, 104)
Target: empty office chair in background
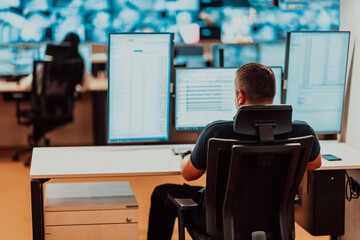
(52, 99)
(251, 185)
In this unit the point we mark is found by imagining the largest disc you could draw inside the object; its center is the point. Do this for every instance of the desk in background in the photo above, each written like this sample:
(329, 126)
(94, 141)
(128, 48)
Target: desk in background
(92, 105)
(141, 160)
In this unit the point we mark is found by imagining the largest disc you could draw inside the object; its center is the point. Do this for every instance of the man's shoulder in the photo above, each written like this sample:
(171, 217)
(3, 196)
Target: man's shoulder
(219, 125)
(301, 128)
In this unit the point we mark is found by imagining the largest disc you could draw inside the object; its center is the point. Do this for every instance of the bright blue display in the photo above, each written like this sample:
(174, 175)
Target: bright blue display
(205, 95)
(139, 87)
(316, 78)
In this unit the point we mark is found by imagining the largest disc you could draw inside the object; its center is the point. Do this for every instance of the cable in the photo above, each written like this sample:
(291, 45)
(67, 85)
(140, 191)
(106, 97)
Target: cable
(352, 190)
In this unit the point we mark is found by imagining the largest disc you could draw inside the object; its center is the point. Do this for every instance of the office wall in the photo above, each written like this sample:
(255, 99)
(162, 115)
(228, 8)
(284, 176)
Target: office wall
(349, 21)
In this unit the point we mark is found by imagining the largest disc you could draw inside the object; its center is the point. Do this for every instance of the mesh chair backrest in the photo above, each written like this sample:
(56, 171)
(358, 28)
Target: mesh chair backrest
(259, 186)
(54, 88)
(218, 164)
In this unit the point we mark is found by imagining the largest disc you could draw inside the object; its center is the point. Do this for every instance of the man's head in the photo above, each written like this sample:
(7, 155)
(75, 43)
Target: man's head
(254, 84)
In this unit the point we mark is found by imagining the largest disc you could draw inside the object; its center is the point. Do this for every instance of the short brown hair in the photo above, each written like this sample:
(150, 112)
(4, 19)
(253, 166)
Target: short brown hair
(256, 81)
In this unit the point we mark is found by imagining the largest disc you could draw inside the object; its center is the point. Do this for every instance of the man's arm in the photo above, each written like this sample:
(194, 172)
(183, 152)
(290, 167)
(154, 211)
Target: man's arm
(188, 171)
(314, 164)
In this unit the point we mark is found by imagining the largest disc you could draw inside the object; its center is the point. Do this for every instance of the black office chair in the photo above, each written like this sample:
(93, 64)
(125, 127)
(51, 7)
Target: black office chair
(250, 185)
(52, 99)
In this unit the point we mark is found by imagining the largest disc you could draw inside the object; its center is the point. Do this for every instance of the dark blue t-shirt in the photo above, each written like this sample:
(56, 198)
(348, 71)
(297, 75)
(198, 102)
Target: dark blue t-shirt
(224, 129)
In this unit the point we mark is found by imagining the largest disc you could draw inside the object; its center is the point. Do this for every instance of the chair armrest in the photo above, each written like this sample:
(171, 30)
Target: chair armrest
(183, 204)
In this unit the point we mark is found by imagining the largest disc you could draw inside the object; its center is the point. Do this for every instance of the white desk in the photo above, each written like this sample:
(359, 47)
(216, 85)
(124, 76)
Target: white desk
(94, 85)
(141, 160)
(350, 156)
(104, 161)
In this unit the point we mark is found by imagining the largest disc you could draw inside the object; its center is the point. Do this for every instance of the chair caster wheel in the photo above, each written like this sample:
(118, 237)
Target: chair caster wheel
(27, 163)
(15, 158)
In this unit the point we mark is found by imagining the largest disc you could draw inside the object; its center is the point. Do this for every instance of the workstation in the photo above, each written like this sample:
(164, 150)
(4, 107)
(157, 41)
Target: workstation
(193, 87)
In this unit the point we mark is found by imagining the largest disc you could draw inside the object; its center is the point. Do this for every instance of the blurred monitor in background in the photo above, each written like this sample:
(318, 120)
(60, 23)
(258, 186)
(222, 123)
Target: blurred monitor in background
(190, 56)
(17, 61)
(234, 54)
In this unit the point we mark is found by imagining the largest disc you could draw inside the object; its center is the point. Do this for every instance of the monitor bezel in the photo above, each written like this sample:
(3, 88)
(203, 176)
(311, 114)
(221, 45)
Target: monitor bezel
(171, 56)
(286, 71)
(194, 129)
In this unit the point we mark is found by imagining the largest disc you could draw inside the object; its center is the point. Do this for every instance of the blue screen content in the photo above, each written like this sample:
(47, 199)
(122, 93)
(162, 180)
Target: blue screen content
(139, 87)
(205, 95)
(18, 60)
(235, 55)
(316, 76)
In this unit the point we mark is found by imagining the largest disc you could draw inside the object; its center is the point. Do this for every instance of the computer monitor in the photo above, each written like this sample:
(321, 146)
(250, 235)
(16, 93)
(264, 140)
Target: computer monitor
(139, 86)
(204, 95)
(272, 54)
(192, 56)
(315, 70)
(17, 60)
(235, 55)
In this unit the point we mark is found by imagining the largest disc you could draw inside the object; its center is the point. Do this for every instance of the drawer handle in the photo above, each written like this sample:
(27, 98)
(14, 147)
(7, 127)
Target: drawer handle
(128, 219)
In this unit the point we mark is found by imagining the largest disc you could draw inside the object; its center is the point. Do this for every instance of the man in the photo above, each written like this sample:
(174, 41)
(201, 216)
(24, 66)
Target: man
(254, 84)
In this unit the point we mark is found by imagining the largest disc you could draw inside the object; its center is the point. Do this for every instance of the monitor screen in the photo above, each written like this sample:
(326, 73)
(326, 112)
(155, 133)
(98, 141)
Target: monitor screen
(139, 86)
(316, 71)
(18, 60)
(190, 56)
(204, 95)
(235, 55)
(272, 54)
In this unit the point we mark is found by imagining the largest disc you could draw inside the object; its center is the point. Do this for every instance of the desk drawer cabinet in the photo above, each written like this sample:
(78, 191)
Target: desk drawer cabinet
(106, 210)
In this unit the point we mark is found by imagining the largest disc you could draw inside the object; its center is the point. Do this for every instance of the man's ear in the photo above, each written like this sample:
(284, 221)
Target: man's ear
(240, 98)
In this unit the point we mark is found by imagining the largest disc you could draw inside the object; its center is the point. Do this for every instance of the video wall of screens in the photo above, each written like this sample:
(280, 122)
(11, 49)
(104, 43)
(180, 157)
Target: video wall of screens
(232, 21)
(316, 74)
